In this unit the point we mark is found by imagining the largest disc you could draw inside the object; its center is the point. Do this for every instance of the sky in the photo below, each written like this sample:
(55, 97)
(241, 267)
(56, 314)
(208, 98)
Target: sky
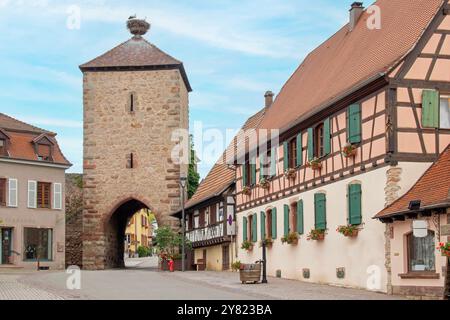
(233, 51)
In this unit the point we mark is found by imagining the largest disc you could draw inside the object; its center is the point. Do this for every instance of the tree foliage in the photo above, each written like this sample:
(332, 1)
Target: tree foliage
(193, 176)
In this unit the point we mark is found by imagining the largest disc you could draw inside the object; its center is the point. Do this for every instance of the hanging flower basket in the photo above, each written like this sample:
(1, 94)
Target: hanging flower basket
(314, 164)
(247, 245)
(264, 183)
(290, 173)
(348, 231)
(247, 191)
(349, 150)
(291, 238)
(445, 249)
(267, 241)
(316, 234)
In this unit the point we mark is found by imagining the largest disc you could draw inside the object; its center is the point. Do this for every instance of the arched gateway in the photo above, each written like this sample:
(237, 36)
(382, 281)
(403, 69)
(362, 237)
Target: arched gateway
(135, 96)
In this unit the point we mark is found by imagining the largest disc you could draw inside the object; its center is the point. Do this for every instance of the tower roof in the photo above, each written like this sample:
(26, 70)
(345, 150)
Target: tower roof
(135, 54)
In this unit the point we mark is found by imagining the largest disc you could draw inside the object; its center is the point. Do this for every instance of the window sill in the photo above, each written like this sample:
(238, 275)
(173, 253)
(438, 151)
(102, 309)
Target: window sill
(420, 275)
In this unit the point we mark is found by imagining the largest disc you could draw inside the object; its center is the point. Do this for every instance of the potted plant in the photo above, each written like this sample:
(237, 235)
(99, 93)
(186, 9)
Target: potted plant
(316, 234)
(264, 183)
(445, 249)
(247, 191)
(348, 231)
(314, 164)
(291, 238)
(267, 241)
(247, 245)
(290, 173)
(349, 150)
(235, 266)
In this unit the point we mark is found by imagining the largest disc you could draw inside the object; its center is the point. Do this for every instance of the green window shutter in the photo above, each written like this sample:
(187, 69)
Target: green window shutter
(244, 228)
(285, 155)
(286, 220)
(354, 123)
(253, 172)
(273, 163)
(326, 136)
(261, 166)
(430, 109)
(310, 144)
(254, 228)
(299, 150)
(263, 225)
(300, 226)
(244, 175)
(274, 223)
(320, 211)
(354, 204)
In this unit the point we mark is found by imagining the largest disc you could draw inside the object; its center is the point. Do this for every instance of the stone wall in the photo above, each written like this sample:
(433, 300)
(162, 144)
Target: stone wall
(74, 211)
(111, 134)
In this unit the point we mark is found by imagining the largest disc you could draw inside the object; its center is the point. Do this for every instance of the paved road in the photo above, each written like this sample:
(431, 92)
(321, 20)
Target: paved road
(141, 281)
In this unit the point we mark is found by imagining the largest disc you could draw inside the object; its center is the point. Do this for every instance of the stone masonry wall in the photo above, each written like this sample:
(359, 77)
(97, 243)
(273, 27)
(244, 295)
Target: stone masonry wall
(74, 222)
(111, 133)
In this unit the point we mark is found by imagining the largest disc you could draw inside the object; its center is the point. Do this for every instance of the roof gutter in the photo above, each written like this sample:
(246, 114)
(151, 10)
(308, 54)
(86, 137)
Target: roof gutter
(36, 163)
(405, 212)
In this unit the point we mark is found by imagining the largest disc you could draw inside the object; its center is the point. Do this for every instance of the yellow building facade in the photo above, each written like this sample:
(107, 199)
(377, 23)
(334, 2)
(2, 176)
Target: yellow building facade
(139, 232)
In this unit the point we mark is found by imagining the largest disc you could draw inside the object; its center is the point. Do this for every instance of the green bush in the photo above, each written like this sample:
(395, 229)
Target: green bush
(143, 251)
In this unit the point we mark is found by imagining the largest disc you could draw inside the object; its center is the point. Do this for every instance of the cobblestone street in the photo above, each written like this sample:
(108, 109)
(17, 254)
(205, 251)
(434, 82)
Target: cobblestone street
(141, 281)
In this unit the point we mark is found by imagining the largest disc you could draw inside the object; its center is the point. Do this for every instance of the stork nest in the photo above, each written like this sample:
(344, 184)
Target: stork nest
(138, 27)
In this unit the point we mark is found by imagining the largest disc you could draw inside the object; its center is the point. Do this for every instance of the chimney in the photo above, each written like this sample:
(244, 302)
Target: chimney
(355, 13)
(269, 98)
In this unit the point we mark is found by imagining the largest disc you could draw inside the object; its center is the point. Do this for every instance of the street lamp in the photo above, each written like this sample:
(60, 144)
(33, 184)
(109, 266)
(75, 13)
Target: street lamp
(183, 181)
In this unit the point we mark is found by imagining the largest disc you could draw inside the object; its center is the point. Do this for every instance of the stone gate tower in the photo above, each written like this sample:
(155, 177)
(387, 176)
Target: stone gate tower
(134, 97)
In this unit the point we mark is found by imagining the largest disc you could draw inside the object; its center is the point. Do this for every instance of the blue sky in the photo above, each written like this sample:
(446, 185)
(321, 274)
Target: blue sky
(233, 52)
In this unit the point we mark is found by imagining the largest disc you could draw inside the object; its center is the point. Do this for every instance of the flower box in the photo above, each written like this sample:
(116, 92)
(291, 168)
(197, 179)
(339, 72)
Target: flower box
(291, 238)
(267, 241)
(314, 164)
(247, 191)
(265, 184)
(348, 231)
(349, 150)
(247, 245)
(316, 234)
(290, 173)
(445, 249)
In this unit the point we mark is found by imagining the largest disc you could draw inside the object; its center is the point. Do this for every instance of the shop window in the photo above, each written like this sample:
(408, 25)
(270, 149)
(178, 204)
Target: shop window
(421, 252)
(38, 244)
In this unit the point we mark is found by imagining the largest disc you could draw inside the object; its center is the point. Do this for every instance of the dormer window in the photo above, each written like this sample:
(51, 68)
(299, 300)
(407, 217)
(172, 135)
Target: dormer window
(4, 140)
(43, 147)
(2, 147)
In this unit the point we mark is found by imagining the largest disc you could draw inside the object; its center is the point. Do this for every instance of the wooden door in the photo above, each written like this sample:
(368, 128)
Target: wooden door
(6, 241)
(225, 257)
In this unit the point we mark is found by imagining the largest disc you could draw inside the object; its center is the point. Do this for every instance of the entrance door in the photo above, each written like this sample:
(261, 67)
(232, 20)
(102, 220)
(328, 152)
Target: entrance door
(6, 241)
(225, 257)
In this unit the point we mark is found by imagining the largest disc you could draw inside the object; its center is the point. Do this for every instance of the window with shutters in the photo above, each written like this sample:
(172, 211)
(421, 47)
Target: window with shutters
(319, 141)
(3, 192)
(354, 204)
(293, 217)
(44, 152)
(354, 123)
(292, 153)
(43, 195)
(250, 227)
(268, 224)
(247, 174)
(320, 216)
(444, 112)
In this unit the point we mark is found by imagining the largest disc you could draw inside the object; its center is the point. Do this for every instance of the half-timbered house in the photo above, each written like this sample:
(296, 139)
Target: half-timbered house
(360, 120)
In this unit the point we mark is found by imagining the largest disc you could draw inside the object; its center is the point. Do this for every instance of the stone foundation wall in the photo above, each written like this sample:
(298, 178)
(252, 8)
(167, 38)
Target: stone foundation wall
(74, 220)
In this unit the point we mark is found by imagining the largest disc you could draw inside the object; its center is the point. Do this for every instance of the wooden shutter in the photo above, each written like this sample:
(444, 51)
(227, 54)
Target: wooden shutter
(273, 163)
(254, 228)
(263, 225)
(300, 224)
(354, 204)
(2, 192)
(326, 137)
(285, 155)
(32, 194)
(286, 220)
(430, 109)
(262, 157)
(354, 123)
(320, 211)
(299, 150)
(12, 192)
(310, 144)
(57, 196)
(244, 228)
(244, 175)
(253, 171)
(274, 223)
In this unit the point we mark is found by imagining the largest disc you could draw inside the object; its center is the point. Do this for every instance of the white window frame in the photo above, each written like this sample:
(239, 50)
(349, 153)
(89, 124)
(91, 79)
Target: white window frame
(57, 205)
(32, 203)
(443, 97)
(12, 191)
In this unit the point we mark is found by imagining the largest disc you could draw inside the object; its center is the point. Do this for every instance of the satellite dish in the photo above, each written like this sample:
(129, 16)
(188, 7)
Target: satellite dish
(420, 228)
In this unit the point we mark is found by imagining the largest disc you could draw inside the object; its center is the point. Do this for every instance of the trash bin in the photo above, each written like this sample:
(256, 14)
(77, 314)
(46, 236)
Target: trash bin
(250, 273)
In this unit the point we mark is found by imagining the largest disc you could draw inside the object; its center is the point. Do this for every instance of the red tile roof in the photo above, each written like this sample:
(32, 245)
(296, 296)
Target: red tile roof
(349, 59)
(221, 176)
(135, 53)
(432, 189)
(22, 136)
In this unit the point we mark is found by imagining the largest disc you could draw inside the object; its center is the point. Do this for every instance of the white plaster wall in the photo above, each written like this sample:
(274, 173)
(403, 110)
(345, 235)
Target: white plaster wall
(336, 251)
